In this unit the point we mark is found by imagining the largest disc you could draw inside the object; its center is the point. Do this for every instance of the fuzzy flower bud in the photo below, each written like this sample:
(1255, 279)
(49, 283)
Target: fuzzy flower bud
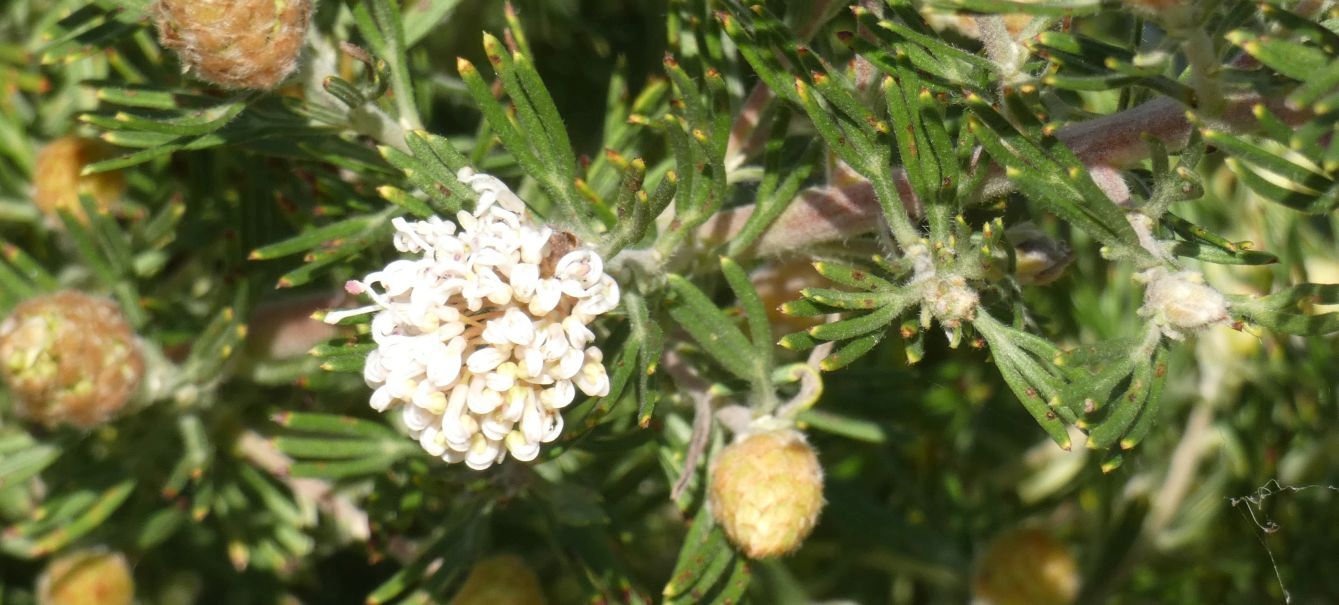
(950, 299)
(235, 43)
(1025, 567)
(57, 183)
(69, 358)
(88, 577)
(766, 492)
(500, 580)
(1181, 302)
(482, 337)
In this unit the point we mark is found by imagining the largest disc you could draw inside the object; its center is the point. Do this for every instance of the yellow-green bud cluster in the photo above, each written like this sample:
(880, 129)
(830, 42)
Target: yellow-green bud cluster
(766, 492)
(1026, 566)
(500, 580)
(87, 577)
(235, 43)
(69, 358)
(950, 299)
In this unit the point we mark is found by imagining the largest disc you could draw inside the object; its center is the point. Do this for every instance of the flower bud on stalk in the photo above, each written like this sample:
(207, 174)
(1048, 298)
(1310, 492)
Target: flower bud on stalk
(1026, 567)
(69, 358)
(235, 43)
(89, 577)
(500, 580)
(57, 183)
(766, 492)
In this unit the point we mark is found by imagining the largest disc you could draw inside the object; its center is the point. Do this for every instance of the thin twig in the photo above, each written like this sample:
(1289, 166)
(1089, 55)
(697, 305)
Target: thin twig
(692, 384)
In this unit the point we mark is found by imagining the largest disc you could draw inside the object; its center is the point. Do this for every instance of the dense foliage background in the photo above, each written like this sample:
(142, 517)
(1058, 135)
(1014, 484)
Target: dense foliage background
(236, 475)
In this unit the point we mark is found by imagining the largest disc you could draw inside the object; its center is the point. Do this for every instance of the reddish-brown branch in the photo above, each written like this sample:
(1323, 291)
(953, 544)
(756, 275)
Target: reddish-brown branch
(829, 213)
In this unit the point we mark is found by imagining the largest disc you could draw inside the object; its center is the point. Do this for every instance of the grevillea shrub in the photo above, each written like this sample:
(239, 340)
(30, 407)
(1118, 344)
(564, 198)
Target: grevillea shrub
(669, 301)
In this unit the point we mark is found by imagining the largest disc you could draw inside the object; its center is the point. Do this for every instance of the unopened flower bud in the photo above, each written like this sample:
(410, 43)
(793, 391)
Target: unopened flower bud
(500, 580)
(235, 43)
(1181, 302)
(1038, 258)
(69, 358)
(1026, 567)
(57, 183)
(766, 492)
(88, 577)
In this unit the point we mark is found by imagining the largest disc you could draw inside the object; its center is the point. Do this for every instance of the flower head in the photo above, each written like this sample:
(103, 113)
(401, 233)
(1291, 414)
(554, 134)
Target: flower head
(235, 43)
(57, 183)
(87, 577)
(500, 580)
(767, 491)
(482, 336)
(69, 358)
(1026, 566)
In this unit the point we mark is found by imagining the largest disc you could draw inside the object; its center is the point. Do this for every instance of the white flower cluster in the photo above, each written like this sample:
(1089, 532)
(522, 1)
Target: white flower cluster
(1180, 302)
(483, 339)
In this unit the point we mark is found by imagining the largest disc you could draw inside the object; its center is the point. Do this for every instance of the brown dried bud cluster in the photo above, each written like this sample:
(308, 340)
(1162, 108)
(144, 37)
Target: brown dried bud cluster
(1026, 566)
(69, 358)
(88, 577)
(766, 492)
(500, 580)
(57, 183)
(235, 43)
